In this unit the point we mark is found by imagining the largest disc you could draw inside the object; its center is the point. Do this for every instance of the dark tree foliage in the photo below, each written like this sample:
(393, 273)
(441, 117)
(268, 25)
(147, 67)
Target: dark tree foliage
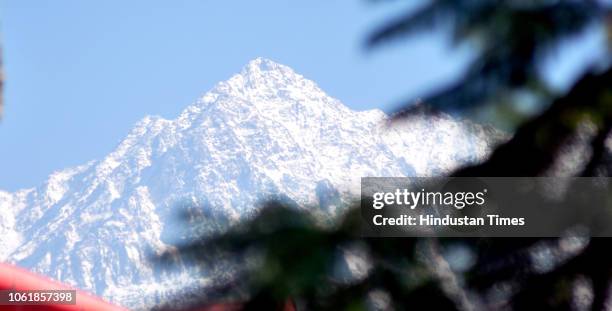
(510, 39)
(300, 263)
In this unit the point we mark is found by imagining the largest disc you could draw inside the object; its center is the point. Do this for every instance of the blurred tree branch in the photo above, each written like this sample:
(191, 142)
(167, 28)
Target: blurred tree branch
(510, 40)
(536, 144)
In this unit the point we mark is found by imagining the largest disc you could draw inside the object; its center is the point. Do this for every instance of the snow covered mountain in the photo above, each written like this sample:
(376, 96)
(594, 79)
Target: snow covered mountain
(265, 131)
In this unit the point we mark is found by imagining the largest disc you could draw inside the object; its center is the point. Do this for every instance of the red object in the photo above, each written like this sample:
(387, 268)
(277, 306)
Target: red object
(15, 278)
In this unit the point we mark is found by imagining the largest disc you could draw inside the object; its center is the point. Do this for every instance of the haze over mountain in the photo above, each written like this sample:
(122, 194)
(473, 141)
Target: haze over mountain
(265, 132)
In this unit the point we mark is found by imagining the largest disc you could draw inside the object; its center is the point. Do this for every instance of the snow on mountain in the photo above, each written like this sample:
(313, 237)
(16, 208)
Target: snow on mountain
(265, 131)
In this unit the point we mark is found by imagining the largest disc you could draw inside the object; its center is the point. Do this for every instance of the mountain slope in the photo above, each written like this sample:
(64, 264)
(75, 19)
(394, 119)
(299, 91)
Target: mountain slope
(265, 131)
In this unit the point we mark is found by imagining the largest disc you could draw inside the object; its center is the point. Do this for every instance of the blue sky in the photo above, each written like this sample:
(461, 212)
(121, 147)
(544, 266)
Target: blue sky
(81, 73)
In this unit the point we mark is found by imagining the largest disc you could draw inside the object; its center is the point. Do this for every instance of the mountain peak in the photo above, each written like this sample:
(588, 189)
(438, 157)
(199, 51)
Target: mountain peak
(263, 64)
(266, 68)
(263, 80)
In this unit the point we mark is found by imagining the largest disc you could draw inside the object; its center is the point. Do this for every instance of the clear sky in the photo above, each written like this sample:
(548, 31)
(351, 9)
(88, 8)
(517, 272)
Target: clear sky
(81, 73)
